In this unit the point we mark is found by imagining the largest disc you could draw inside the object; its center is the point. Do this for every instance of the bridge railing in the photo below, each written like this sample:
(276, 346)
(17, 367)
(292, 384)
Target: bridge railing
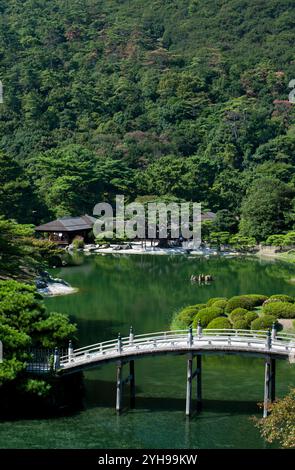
(180, 337)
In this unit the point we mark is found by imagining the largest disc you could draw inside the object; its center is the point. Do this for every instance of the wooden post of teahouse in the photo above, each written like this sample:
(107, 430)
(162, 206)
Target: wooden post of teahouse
(266, 386)
(132, 383)
(199, 382)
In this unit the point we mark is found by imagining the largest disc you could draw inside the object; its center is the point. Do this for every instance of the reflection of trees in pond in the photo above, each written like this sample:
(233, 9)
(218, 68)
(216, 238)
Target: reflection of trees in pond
(280, 270)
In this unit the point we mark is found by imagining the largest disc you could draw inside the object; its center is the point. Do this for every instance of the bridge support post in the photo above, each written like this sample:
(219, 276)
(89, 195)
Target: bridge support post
(189, 385)
(267, 386)
(273, 380)
(132, 383)
(119, 386)
(199, 382)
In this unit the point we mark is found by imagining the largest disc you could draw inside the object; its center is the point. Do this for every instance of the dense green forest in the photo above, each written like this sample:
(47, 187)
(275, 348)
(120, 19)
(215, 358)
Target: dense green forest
(160, 98)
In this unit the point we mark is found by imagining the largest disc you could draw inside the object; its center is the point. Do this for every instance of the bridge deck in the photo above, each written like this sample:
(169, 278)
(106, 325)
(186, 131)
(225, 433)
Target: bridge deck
(257, 343)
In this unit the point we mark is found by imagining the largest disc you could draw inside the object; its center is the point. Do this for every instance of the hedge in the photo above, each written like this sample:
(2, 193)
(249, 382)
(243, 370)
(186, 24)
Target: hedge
(257, 299)
(238, 314)
(215, 299)
(187, 315)
(220, 323)
(263, 323)
(241, 324)
(250, 316)
(245, 301)
(283, 298)
(220, 304)
(280, 309)
(206, 315)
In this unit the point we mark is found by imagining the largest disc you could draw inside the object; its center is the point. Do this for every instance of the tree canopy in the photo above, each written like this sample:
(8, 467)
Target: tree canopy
(185, 99)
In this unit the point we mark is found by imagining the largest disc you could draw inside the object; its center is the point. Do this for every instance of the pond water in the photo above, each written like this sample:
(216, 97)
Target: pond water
(144, 291)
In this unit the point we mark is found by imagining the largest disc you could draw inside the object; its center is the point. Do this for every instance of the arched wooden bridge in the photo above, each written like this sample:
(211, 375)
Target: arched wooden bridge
(193, 343)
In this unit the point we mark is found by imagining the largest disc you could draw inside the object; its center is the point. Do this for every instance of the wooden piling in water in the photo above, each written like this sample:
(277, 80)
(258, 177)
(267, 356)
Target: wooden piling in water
(199, 382)
(119, 387)
(132, 383)
(273, 380)
(189, 385)
(267, 386)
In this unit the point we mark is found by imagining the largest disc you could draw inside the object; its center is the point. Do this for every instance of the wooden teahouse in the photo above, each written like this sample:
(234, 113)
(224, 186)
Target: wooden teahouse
(64, 230)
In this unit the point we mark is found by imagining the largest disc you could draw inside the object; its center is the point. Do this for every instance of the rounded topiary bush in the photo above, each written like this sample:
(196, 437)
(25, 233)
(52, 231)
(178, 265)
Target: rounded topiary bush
(257, 299)
(206, 315)
(219, 323)
(238, 314)
(280, 309)
(250, 316)
(245, 301)
(220, 304)
(269, 301)
(187, 315)
(241, 324)
(213, 300)
(282, 298)
(263, 323)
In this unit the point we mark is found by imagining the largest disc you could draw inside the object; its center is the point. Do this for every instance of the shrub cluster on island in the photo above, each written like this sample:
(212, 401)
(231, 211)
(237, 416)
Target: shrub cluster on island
(251, 311)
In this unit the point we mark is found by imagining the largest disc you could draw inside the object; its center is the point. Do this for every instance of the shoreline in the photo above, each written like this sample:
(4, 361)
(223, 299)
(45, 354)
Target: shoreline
(56, 288)
(154, 250)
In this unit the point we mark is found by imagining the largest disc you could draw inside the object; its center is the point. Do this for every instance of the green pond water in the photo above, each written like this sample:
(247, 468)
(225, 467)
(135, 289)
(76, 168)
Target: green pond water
(144, 291)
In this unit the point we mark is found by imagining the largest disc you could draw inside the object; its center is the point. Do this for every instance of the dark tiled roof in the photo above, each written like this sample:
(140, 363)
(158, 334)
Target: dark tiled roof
(68, 224)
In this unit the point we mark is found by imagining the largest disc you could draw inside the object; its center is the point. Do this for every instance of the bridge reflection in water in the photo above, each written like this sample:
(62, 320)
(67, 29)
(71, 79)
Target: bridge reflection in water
(194, 344)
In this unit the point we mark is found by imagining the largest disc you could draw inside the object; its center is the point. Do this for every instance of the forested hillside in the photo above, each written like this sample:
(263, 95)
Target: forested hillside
(174, 98)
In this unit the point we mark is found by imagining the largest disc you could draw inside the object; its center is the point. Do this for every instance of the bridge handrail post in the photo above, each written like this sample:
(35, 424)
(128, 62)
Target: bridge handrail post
(119, 343)
(268, 339)
(190, 337)
(131, 336)
(273, 331)
(70, 350)
(56, 362)
(199, 329)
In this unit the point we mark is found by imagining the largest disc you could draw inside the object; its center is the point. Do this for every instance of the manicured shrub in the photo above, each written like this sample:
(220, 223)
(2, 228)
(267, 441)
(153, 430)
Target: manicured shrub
(263, 323)
(238, 314)
(280, 309)
(245, 301)
(220, 304)
(257, 299)
(238, 302)
(241, 324)
(250, 316)
(269, 301)
(198, 307)
(78, 243)
(220, 323)
(187, 315)
(183, 318)
(283, 298)
(206, 315)
(214, 300)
